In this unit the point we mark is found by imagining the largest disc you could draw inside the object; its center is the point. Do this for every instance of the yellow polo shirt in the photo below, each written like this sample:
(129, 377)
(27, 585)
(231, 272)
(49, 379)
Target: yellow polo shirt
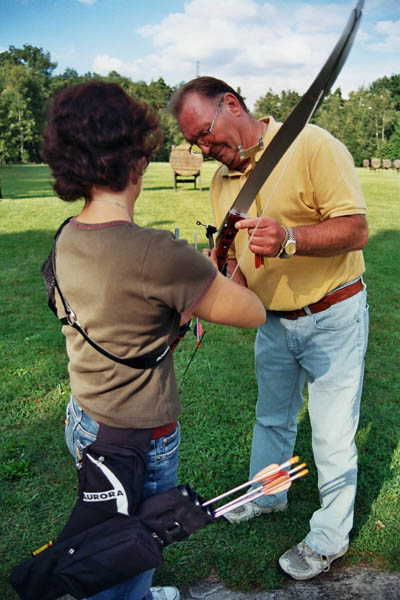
(315, 180)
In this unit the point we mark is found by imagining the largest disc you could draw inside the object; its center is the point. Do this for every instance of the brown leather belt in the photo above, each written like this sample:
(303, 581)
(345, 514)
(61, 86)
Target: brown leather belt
(163, 430)
(324, 303)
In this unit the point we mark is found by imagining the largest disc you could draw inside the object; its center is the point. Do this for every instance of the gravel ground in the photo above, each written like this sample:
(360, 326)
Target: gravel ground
(338, 584)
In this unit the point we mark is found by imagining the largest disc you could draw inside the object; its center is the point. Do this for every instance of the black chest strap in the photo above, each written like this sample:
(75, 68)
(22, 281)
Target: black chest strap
(48, 270)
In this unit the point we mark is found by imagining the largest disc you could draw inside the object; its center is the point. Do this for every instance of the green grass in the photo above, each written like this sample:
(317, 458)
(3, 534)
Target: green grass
(218, 395)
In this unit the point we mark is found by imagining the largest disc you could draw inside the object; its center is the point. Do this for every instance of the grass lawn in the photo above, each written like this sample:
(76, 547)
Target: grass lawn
(218, 395)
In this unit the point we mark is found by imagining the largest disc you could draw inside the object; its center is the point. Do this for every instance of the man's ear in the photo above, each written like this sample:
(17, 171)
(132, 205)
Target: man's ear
(233, 104)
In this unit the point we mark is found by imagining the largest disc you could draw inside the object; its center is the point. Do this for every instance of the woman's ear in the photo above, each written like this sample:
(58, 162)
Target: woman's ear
(144, 163)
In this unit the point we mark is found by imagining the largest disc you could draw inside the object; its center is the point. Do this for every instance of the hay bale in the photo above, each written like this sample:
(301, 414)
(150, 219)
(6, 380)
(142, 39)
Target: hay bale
(186, 167)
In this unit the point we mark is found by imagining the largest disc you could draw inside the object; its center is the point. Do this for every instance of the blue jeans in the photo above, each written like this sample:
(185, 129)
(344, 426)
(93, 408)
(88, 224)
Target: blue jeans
(162, 475)
(327, 351)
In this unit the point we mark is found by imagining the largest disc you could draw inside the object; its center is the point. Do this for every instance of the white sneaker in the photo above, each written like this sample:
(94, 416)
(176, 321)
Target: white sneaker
(252, 509)
(302, 562)
(165, 593)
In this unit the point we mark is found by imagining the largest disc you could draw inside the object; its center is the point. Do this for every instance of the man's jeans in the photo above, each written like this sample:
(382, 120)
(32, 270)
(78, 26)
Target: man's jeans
(327, 351)
(162, 467)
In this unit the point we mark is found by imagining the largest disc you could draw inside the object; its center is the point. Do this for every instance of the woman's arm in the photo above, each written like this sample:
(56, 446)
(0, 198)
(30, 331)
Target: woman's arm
(228, 303)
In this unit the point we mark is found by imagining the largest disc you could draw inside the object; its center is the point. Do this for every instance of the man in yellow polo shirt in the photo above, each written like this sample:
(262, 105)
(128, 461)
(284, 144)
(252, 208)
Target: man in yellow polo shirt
(309, 225)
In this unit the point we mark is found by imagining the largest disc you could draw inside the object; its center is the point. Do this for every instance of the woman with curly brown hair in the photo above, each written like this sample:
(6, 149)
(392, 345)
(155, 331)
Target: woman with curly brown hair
(129, 286)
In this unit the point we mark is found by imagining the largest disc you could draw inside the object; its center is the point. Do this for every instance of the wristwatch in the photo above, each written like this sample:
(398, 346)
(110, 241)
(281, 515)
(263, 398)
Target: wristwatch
(288, 248)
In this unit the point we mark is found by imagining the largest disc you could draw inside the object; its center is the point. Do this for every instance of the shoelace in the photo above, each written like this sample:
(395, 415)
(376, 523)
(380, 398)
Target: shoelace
(305, 551)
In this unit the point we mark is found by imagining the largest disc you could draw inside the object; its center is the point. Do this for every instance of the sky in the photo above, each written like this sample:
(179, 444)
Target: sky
(256, 45)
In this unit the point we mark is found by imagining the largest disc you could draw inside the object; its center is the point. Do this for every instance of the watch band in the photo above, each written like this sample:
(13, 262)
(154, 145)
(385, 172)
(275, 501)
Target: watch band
(282, 248)
(290, 241)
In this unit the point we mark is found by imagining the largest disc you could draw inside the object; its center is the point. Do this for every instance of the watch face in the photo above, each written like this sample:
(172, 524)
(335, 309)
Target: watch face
(290, 248)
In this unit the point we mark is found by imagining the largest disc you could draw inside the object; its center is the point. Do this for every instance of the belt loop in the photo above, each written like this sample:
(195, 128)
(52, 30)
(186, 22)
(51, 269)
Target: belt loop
(307, 310)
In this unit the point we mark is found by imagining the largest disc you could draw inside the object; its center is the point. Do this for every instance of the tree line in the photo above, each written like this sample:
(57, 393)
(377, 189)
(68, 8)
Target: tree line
(367, 122)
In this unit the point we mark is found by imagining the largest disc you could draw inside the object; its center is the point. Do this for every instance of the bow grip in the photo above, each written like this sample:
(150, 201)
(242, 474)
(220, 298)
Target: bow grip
(226, 235)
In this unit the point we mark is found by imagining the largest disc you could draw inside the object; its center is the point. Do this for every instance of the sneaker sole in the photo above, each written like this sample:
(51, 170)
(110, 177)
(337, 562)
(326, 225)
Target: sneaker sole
(305, 578)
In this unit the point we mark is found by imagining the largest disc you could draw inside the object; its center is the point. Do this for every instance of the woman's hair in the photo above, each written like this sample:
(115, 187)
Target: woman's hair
(209, 87)
(96, 135)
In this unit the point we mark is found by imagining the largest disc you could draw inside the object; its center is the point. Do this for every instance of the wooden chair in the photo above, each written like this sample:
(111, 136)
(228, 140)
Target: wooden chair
(376, 164)
(396, 165)
(186, 167)
(366, 163)
(387, 163)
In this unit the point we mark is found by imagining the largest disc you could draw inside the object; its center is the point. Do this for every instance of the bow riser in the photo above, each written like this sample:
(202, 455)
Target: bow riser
(226, 235)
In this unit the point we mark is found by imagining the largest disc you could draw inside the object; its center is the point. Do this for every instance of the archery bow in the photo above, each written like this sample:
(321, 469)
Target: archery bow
(286, 135)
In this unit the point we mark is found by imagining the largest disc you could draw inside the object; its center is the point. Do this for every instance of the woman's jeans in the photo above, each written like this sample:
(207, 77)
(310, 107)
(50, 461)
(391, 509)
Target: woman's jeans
(162, 467)
(327, 351)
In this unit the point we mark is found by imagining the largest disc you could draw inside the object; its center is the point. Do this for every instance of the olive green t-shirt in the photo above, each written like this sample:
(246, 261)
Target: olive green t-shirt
(128, 287)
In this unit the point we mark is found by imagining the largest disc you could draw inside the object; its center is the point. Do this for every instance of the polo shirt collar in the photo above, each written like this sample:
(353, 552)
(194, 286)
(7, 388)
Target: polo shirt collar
(272, 128)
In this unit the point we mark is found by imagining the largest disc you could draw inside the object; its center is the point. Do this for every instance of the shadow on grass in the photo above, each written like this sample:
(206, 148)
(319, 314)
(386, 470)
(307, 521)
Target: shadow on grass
(159, 224)
(37, 194)
(151, 188)
(180, 188)
(25, 181)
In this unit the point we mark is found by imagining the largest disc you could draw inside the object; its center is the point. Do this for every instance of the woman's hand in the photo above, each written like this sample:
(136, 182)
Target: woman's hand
(211, 254)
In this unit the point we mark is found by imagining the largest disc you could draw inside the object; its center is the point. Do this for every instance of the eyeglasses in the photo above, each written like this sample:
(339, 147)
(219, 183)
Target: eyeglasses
(206, 138)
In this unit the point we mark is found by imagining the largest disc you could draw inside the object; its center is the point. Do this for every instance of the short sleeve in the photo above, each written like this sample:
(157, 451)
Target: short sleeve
(174, 274)
(336, 185)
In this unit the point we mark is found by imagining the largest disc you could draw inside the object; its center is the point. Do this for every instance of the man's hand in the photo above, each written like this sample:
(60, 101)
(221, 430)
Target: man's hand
(268, 237)
(331, 237)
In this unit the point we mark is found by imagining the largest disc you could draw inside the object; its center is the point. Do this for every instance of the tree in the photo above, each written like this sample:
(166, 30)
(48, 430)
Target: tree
(278, 106)
(25, 84)
(36, 59)
(391, 84)
(21, 114)
(172, 135)
(330, 115)
(369, 118)
(394, 142)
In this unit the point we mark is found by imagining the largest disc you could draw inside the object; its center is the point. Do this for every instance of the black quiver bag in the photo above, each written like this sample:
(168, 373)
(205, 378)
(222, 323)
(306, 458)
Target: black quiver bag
(112, 551)
(111, 534)
(111, 478)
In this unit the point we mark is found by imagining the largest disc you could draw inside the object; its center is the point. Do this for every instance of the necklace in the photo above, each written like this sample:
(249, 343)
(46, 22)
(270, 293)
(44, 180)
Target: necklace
(107, 201)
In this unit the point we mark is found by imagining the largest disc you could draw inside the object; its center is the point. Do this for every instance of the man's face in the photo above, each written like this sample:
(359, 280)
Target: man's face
(199, 114)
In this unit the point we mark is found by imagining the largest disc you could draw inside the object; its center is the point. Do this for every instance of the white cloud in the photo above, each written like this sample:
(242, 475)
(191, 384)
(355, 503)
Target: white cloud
(251, 45)
(103, 64)
(87, 1)
(389, 31)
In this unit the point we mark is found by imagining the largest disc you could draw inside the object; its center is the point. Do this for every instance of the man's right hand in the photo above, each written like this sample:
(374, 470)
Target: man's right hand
(266, 235)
